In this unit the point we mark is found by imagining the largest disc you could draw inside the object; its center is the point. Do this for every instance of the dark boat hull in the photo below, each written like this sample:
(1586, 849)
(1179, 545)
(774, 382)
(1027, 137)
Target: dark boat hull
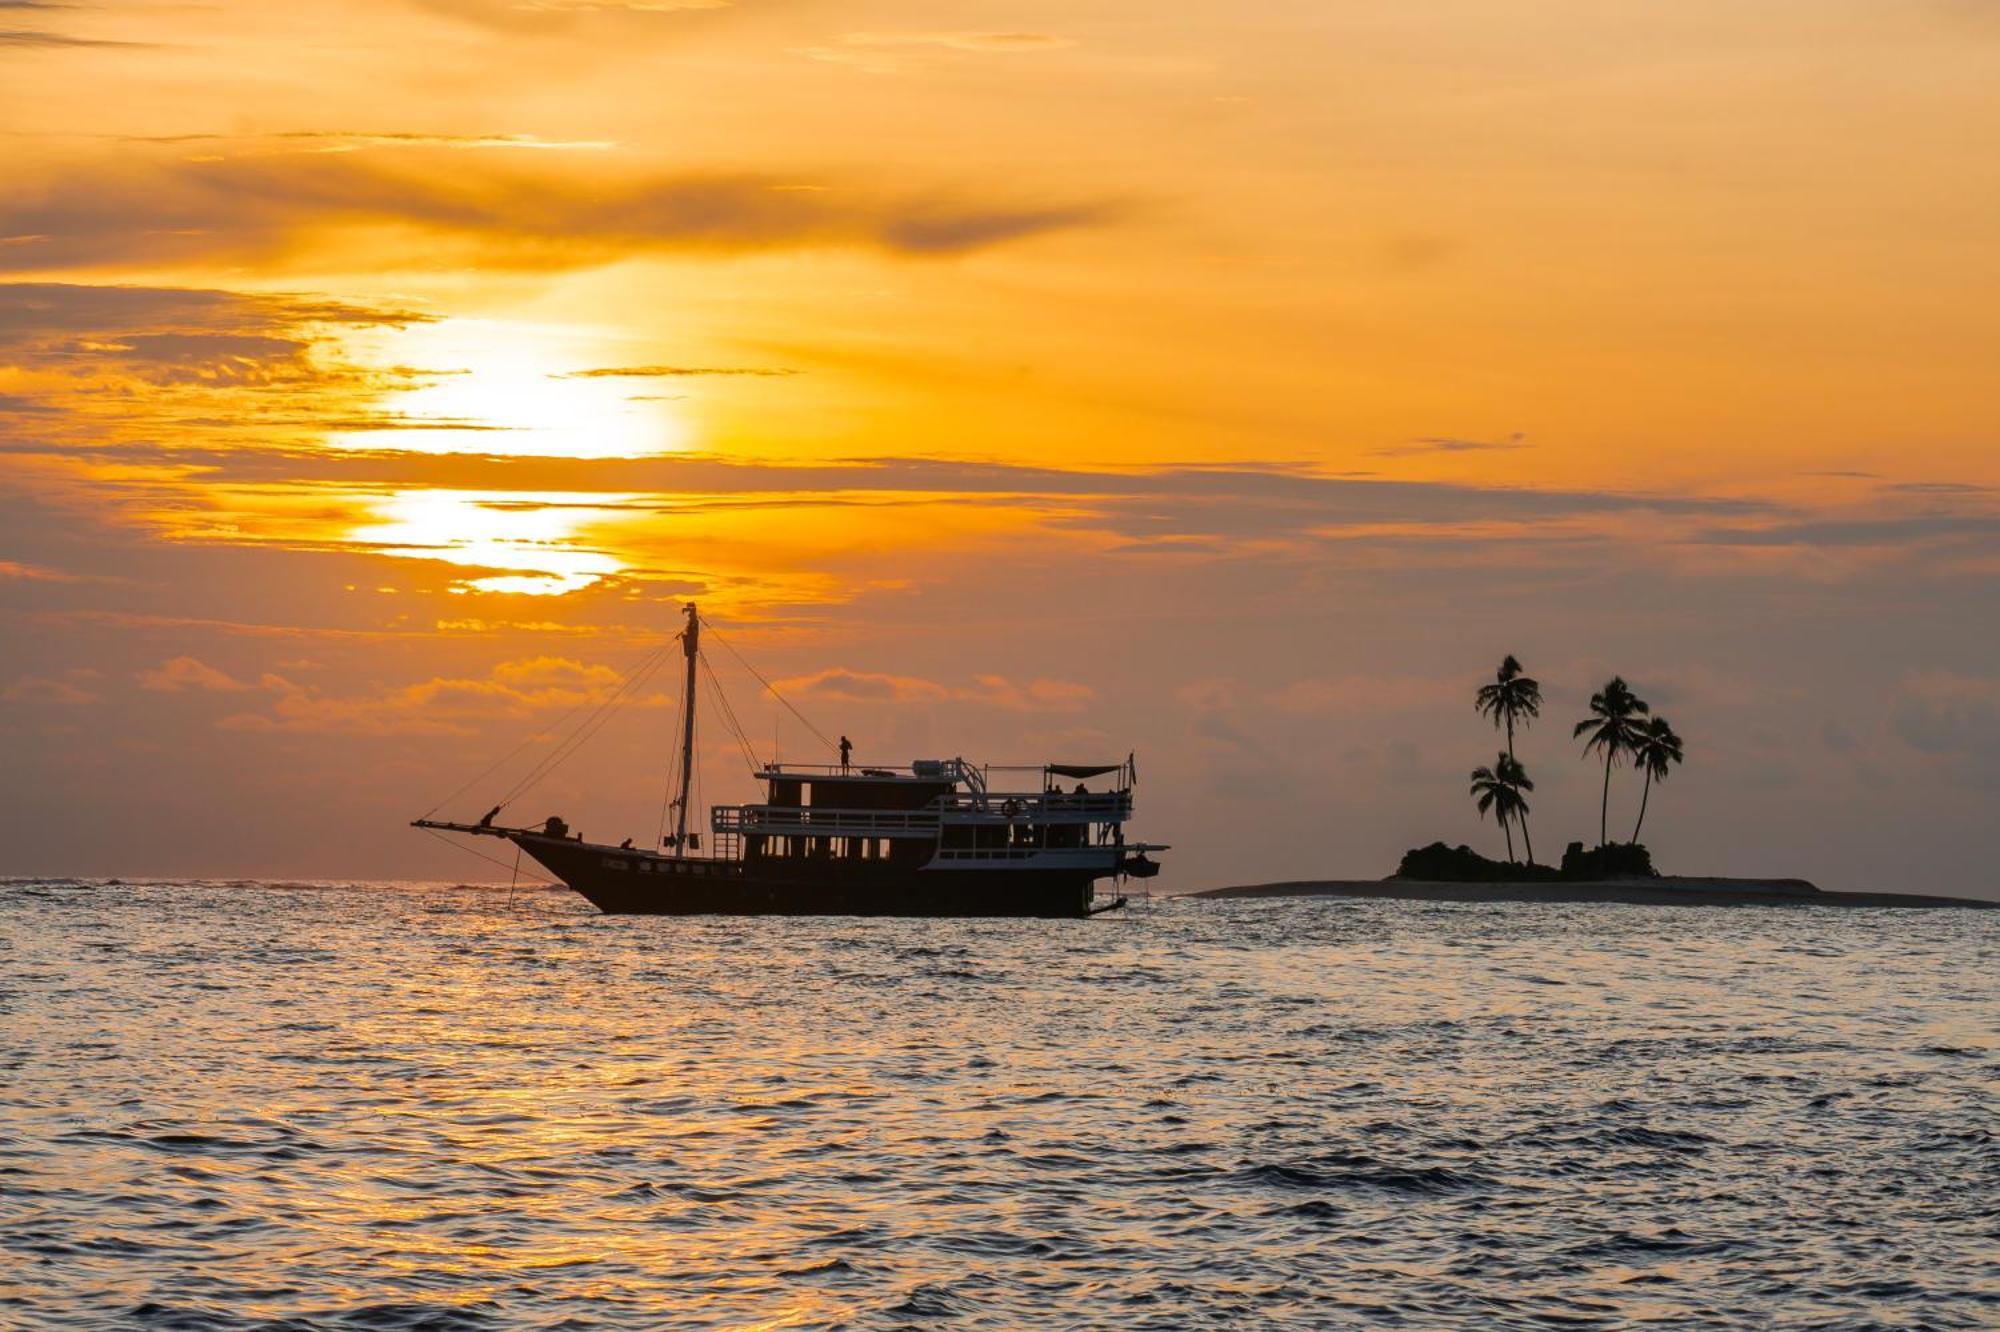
(623, 882)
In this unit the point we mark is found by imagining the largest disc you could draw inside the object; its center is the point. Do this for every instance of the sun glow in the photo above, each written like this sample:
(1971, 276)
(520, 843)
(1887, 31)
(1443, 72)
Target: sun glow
(511, 388)
(531, 546)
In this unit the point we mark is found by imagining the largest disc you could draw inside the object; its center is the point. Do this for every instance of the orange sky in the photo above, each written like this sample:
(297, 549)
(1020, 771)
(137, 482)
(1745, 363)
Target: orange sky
(1023, 381)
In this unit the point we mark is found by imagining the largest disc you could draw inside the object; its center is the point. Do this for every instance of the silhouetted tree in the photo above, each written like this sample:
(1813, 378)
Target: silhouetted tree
(1656, 748)
(1517, 777)
(1512, 697)
(1494, 789)
(1613, 729)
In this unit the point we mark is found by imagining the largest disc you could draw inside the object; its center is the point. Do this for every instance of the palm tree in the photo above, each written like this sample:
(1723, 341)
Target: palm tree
(1613, 729)
(1656, 749)
(1517, 777)
(1510, 698)
(1496, 791)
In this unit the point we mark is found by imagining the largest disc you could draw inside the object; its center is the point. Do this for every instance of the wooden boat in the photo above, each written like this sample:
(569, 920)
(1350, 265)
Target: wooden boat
(940, 837)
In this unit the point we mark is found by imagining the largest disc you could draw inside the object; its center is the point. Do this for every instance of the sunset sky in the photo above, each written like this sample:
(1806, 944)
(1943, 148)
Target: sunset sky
(1232, 384)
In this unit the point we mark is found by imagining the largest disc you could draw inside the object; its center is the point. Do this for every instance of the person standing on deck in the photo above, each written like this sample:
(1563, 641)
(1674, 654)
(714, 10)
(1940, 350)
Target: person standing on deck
(846, 749)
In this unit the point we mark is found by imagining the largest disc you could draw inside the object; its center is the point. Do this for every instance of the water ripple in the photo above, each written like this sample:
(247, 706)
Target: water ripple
(342, 1106)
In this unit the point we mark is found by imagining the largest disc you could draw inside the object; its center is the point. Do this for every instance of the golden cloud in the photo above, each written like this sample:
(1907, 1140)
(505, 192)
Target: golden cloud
(377, 210)
(442, 705)
(1039, 695)
(184, 673)
(66, 690)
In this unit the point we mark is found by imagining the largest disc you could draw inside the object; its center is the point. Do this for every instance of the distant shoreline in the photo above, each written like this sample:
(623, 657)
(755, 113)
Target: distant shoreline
(1671, 891)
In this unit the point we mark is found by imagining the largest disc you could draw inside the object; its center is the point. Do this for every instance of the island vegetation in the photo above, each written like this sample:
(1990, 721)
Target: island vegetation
(1620, 729)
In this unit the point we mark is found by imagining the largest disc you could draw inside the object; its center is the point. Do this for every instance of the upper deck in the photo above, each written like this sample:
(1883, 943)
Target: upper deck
(926, 798)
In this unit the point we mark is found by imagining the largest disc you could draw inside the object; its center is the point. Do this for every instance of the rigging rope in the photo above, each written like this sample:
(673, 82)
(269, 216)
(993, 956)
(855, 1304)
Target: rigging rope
(581, 736)
(543, 734)
(729, 717)
(807, 721)
(695, 836)
(492, 860)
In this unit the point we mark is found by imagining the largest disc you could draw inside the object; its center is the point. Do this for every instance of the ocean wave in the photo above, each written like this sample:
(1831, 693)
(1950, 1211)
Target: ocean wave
(311, 1105)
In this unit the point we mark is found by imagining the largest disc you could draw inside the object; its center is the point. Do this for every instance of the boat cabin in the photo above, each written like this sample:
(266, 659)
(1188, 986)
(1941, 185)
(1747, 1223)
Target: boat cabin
(936, 810)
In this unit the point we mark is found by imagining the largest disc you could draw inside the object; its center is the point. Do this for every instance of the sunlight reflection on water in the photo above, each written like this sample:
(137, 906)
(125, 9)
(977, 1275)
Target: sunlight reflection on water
(228, 1105)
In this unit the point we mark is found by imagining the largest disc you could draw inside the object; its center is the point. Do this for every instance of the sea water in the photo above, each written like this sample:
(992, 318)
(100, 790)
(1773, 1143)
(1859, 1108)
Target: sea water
(233, 1105)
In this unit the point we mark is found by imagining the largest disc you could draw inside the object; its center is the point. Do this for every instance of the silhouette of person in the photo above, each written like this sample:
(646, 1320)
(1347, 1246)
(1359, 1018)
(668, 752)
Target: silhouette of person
(846, 750)
(625, 845)
(555, 827)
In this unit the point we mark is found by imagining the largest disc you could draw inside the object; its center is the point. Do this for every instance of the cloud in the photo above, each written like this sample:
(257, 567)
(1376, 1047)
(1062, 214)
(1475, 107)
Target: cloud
(840, 684)
(848, 686)
(1892, 530)
(384, 210)
(1937, 488)
(13, 570)
(23, 37)
(185, 673)
(1206, 514)
(1038, 695)
(203, 358)
(616, 6)
(60, 691)
(442, 705)
(272, 366)
(558, 673)
(893, 52)
(42, 314)
(670, 372)
(547, 17)
(1446, 444)
(961, 41)
(347, 141)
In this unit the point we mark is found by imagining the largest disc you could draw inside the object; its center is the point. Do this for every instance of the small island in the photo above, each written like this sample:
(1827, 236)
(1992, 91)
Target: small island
(1460, 874)
(1619, 728)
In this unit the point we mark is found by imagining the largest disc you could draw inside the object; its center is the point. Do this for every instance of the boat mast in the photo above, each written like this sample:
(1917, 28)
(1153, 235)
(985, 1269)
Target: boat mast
(691, 645)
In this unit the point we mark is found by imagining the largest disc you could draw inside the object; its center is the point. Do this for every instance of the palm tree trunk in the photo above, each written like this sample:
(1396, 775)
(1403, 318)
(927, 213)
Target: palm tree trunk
(1506, 826)
(1643, 796)
(1529, 841)
(1604, 805)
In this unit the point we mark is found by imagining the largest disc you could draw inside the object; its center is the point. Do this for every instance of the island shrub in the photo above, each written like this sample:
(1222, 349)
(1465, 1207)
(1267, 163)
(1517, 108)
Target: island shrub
(1618, 860)
(1438, 863)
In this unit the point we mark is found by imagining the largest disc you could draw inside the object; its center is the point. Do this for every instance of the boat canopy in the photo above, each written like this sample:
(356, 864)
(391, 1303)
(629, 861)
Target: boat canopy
(1084, 769)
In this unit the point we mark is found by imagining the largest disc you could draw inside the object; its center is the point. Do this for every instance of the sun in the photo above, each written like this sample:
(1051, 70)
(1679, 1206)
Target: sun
(505, 387)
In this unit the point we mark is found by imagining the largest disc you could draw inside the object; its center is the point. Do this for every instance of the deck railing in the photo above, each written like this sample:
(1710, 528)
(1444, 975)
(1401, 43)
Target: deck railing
(958, 810)
(1045, 806)
(797, 821)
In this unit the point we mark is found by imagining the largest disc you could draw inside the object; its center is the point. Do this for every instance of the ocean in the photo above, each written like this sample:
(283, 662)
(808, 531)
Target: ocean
(279, 1106)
